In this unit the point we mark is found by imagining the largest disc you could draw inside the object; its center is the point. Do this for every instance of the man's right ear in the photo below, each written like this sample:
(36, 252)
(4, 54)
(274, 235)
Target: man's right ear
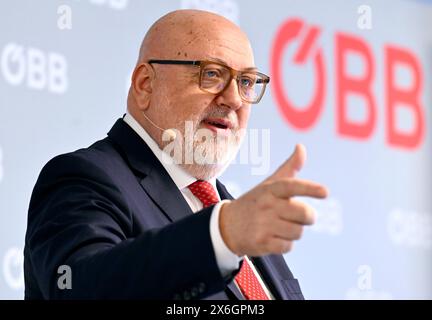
(141, 83)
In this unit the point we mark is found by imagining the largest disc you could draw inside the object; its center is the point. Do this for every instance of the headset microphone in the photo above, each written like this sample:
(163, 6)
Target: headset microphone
(170, 133)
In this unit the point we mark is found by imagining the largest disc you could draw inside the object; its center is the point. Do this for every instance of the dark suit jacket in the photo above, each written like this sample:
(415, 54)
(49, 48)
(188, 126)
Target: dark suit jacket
(112, 214)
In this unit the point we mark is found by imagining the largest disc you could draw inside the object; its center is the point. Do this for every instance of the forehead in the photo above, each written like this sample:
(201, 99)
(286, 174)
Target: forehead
(224, 45)
(238, 60)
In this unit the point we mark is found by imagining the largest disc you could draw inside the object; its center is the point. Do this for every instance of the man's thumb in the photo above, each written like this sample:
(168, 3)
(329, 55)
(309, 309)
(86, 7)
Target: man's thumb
(293, 165)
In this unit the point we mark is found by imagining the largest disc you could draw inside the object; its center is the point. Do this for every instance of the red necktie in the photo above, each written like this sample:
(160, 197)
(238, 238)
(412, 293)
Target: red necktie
(246, 279)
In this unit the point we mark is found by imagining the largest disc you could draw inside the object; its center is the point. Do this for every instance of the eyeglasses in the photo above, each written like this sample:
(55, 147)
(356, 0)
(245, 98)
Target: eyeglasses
(215, 77)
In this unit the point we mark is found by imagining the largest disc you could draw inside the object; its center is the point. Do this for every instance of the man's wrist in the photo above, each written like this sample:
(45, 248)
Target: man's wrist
(226, 259)
(223, 226)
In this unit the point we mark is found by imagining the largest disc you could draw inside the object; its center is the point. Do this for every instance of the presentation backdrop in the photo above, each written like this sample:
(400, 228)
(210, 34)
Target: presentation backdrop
(350, 79)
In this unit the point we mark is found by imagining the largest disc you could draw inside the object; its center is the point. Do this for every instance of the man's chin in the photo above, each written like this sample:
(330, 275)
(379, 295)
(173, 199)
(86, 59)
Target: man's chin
(206, 163)
(204, 171)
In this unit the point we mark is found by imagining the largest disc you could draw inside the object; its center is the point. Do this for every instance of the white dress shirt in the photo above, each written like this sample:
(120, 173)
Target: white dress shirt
(227, 261)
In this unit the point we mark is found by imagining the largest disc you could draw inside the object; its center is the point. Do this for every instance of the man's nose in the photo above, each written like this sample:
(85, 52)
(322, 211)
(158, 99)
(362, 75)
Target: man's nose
(230, 97)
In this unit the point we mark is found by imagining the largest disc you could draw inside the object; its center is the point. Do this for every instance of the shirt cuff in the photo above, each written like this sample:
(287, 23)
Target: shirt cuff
(227, 260)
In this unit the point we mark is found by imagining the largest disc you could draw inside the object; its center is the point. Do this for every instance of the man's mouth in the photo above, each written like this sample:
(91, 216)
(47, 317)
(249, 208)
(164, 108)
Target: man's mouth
(218, 125)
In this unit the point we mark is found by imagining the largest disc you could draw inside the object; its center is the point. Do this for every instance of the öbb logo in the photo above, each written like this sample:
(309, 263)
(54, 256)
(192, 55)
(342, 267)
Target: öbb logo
(395, 96)
(39, 70)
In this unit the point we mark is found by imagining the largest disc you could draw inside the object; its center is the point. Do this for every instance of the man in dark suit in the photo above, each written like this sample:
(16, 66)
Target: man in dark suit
(141, 214)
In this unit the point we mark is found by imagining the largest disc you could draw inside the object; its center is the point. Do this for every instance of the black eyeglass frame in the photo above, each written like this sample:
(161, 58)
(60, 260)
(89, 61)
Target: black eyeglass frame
(234, 74)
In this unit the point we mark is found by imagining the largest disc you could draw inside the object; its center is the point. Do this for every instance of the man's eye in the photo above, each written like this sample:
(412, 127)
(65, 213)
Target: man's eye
(247, 82)
(211, 73)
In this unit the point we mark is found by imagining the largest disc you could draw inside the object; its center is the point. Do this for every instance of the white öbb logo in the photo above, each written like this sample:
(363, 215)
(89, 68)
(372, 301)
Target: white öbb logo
(35, 68)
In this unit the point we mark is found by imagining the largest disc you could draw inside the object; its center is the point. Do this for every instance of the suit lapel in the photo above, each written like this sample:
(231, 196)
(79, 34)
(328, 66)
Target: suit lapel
(269, 275)
(154, 179)
(165, 195)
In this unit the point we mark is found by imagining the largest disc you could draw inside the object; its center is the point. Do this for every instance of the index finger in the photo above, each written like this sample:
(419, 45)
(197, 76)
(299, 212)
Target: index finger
(287, 188)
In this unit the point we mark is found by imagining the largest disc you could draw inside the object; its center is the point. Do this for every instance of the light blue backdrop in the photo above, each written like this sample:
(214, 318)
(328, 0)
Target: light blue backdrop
(62, 88)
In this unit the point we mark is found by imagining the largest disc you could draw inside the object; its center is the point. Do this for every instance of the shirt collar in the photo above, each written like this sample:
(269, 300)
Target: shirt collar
(181, 177)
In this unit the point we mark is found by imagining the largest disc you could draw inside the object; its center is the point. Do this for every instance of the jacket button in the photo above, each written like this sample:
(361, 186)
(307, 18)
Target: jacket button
(201, 287)
(186, 295)
(194, 292)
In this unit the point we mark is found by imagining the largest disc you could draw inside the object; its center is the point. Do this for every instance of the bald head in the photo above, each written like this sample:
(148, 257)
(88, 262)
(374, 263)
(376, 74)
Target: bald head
(183, 33)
